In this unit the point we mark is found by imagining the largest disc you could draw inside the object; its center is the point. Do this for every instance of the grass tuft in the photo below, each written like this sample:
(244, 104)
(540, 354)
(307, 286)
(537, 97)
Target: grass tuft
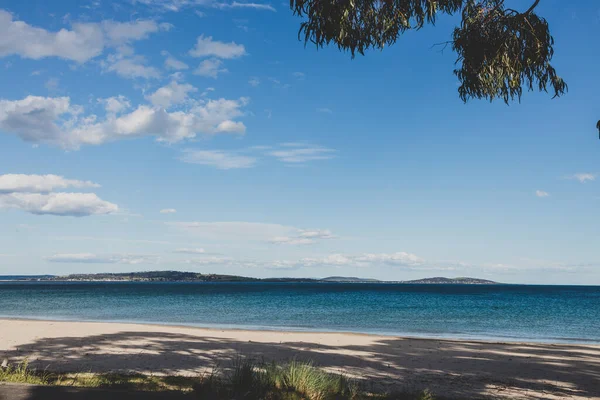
(22, 373)
(314, 383)
(293, 381)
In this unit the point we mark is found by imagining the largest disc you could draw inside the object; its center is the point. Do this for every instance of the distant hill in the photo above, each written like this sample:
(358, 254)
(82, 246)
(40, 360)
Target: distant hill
(349, 279)
(179, 276)
(25, 277)
(155, 276)
(457, 281)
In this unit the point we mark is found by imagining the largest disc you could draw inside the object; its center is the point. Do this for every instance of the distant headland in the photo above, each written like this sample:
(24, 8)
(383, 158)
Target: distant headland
(178, 276)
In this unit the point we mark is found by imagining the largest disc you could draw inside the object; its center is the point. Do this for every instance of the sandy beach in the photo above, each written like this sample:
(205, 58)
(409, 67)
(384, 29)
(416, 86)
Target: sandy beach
(449, 367)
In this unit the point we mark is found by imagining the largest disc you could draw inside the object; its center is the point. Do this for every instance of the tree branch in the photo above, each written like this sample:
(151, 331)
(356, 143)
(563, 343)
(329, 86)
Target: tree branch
(445, 44)
(533, 6)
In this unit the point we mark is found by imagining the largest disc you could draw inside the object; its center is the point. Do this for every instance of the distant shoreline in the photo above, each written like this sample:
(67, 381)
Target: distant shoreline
(178, 276)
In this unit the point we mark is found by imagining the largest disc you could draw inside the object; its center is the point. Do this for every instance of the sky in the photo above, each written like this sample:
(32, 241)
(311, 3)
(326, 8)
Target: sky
(204, 136)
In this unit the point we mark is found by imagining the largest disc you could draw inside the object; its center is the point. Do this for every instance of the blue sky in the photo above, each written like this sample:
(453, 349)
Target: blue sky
(203, 136)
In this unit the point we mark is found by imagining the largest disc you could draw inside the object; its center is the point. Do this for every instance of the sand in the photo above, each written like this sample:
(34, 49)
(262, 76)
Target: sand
(452, 368)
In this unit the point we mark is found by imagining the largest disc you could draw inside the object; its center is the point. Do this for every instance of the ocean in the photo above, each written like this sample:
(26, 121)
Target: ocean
(494, 312)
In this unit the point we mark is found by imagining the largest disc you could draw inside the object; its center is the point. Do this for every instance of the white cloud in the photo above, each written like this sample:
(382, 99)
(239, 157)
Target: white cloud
(116, 104)
(33, 194)
(55, 121)
(178, 5)
(291, 240)
(339, 260)
(171, 94)
(399, 259)
(123, 32)
(256, 6)
(52, 84)
(583, 177)
(171, 5)
(324, 110)
(254, 82)
(255, 231)
(80, 44)
(21, 183)
(177, 76)
(282, 265)
(317, 234)
(402, 260)
(218, 159)
(207, 91)
(61, 204)
(130, 66)
(216, 50)
(231, 126)
(242, 26)
(212, 261)
(190, 251)
(249, 157)
(173, 63)
(299, 75)
(303, 237)
(537, 265)
(303, 154)
(234, 229)
(111, 239)
(541, 193)
(293, 144)
(124, 62)
(83, 42)
(34, 118)
(210, 68)
(207, 47)
(168, 211)
(90, 258)
(330, 260)
(259, 148)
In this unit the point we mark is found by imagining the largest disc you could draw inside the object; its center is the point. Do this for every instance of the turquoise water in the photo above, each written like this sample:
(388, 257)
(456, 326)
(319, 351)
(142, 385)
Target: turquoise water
(507, 312)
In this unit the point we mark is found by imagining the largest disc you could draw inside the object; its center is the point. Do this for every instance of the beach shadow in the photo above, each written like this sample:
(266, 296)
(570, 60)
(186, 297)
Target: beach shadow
(452, 368)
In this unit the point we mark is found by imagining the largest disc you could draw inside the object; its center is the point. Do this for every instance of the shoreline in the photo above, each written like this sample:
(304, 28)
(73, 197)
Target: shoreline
(283, 329)
(460, 368)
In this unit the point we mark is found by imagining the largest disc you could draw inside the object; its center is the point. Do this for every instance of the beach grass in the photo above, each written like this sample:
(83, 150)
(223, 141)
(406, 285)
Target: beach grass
(22, 373)
(294, 380)
(246, 379)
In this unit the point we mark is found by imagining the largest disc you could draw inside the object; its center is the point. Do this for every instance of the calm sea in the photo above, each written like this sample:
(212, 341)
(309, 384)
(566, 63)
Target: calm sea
(506, 312)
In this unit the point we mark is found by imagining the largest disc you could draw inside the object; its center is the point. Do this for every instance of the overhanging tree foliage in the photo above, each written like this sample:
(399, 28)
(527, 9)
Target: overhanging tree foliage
(500, 51)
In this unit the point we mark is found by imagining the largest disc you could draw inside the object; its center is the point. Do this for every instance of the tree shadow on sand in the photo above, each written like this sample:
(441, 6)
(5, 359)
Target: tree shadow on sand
(451, 368)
